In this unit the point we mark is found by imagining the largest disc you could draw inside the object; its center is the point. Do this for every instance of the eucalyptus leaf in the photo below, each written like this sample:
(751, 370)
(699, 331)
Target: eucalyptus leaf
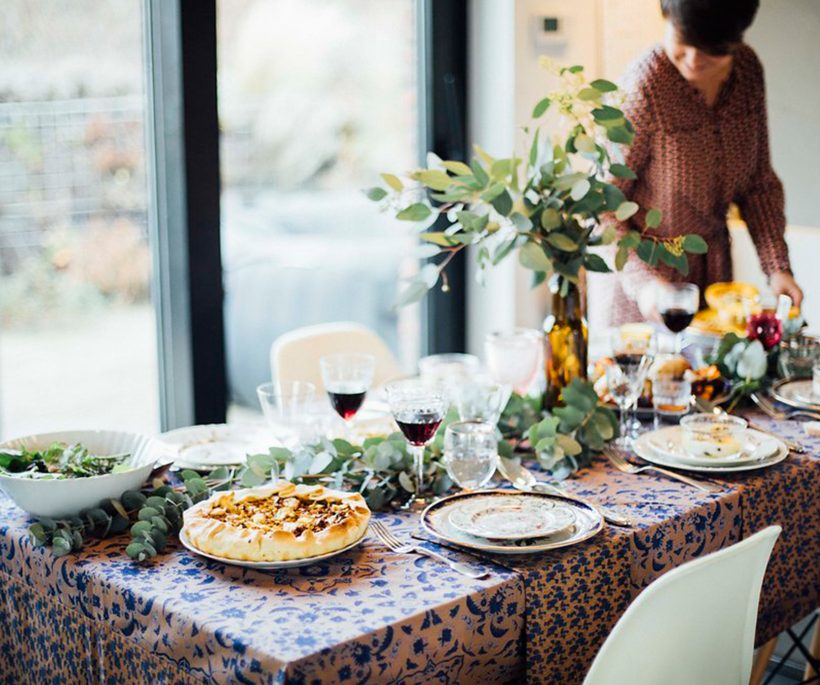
(540, 108)
(418, 211)
(694, 244)
(626, 210)
(376, 193)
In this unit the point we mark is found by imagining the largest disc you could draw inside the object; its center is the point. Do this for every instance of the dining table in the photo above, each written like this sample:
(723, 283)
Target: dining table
(371, 615)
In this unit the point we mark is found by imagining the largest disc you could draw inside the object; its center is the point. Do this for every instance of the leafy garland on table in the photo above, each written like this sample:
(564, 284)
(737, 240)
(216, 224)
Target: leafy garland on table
(380, 468)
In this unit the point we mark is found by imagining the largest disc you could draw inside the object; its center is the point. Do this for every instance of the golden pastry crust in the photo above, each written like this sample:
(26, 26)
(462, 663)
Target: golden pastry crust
(281, 522)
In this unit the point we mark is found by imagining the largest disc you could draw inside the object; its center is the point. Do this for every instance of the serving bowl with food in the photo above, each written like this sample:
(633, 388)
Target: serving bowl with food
(60, 474)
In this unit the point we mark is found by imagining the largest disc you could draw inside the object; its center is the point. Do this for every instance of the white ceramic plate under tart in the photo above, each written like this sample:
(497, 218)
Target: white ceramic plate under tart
(217, 444)
(796, 393)
(668, 442)
(511, 518)
(645, 450)
(265, 565)
(435, 520)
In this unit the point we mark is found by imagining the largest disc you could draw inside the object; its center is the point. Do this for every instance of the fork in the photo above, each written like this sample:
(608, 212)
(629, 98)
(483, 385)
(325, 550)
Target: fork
(394, 544)
(620, 463)
(774, 413)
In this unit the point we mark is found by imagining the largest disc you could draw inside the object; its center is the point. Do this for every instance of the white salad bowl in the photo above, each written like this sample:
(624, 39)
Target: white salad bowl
(56, 498)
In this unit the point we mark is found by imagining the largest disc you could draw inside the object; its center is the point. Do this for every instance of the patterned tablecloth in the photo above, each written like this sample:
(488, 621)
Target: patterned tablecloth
(372, 616)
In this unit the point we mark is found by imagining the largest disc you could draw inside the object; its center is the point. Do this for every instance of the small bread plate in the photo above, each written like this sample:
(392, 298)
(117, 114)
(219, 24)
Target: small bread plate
(267, 565)
(664, 448)
(206, 447)
(436, 520)
(797, 393)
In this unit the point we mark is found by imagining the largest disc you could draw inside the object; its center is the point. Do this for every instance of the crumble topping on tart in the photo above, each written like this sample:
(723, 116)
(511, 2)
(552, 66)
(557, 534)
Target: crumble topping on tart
(276, 523)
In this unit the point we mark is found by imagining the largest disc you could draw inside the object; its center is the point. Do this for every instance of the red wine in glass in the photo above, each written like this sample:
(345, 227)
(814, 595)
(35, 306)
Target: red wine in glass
(346, 401)
(676, 319)
(419, 427)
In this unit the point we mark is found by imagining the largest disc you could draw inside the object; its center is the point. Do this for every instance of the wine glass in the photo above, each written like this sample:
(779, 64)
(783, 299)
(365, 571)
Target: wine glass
(285, 408)
(418, 407)
(677, 304)
(481, 398)
(512, 358)
(347, 377)
(470, 453)
(632, 357)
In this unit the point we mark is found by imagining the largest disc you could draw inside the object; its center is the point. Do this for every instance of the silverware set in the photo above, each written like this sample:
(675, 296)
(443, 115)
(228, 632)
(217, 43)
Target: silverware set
(398, 546)
(619, 461)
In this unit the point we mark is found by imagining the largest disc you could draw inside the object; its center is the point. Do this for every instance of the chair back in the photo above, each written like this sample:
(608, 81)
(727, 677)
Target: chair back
(695, 624)
(294, 356)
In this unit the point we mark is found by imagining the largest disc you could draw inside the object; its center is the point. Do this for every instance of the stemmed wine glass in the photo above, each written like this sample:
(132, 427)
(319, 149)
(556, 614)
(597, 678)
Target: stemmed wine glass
(678, 303)
(418, 406)
(512, 358)
(285, 409)
(632, 357)
(347, 378)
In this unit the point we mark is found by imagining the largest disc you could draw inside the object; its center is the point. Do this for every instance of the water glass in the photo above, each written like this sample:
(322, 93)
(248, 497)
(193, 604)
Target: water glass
(513, 358)
(287, 408)
(815, 381)
(482, 399)
(671, 400)
(798, 355)
(470, 453)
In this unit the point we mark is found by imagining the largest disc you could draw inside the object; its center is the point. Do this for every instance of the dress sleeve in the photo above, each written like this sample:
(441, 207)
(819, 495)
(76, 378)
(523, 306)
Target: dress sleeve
(638, 109)
(762, 203)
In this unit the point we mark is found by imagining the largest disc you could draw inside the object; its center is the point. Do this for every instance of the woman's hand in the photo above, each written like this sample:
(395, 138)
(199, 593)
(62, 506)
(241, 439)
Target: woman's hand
(783, 283)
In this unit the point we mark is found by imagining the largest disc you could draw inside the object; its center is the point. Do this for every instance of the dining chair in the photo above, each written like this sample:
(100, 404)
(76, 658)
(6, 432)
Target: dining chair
(294, 356)
(695, 624)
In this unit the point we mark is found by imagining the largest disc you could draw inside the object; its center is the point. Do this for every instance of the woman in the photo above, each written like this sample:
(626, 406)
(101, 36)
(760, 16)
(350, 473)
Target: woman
(698, 105)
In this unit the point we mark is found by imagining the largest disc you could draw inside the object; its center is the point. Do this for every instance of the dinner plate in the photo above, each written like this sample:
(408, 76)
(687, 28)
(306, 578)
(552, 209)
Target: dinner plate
(668, 442)
(435, 520)
(266, 565)
(206, 447)
(644, 449)
(511, 517)
(796, 393)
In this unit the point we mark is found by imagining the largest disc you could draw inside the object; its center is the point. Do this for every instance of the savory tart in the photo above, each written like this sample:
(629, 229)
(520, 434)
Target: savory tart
(281, 522)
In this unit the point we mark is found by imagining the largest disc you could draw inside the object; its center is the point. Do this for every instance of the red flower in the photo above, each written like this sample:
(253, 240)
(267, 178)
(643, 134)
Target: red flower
(766, 328)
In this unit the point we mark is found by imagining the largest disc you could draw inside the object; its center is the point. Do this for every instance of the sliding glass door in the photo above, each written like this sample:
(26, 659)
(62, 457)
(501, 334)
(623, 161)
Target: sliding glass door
(316, 97)
(77, 329)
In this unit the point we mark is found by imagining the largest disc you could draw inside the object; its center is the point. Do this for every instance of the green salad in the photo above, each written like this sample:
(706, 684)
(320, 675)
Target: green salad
(60, 461)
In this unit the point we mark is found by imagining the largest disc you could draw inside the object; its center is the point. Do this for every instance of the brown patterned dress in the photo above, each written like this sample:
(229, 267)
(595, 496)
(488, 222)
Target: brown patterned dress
(692, 161)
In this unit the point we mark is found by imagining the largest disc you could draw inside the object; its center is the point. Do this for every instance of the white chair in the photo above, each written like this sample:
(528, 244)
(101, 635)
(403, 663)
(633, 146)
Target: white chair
(294, 356)
(693, 626)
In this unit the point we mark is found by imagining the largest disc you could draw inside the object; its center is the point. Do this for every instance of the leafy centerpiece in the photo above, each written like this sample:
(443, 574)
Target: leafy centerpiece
(550, 208)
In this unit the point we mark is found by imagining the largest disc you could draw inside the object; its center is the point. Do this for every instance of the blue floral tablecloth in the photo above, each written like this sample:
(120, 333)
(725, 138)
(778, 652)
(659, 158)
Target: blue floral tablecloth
(376, 617)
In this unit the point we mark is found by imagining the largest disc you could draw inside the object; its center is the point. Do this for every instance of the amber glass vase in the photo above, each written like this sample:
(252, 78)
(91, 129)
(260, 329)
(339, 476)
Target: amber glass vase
(566, 338)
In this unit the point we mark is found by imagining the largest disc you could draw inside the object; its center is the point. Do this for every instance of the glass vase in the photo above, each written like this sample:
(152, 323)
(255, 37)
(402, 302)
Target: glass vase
(566, 339)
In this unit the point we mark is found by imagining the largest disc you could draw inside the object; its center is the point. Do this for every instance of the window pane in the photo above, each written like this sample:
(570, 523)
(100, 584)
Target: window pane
(316, 97)
(77, 331)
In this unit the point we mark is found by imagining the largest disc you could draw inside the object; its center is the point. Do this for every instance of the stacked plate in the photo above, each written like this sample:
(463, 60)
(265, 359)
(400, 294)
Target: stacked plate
(666, 447)
(796, 393)
(206, 447)
(505, 522)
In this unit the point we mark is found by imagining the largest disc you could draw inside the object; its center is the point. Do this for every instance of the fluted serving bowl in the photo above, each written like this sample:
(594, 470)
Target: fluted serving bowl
(56, 498)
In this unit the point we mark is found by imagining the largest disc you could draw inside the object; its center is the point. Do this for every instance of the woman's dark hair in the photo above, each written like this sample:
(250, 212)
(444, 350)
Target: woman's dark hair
(714, 26)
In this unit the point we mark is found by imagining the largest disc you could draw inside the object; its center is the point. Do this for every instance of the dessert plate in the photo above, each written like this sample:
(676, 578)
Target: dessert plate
(668, 443)
(511, 517)
(266, 565)
(645, 450)
(435, 520)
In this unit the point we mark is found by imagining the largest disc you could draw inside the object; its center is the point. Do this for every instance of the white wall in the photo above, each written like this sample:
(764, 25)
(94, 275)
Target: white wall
(605, 36)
